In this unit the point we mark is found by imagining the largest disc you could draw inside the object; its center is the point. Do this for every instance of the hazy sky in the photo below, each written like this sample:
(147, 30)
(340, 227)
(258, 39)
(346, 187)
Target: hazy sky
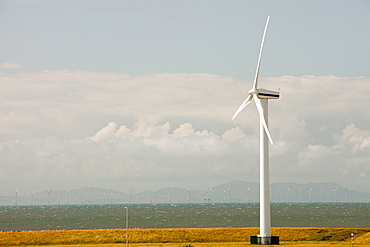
(140, 94)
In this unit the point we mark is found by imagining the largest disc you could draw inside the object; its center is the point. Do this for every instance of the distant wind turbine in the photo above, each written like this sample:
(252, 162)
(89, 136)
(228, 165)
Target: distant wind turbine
(261, 97)
(91, 196)
(287, 194)
(209, 195)
(247, 194)
(336, 193)
(169, 195)
(76, 196)
(272, 195)
(48, 197)
(128, 196)
(310, 194)
(15, 194)
(188, 195)
(31, 197)
(67, 196)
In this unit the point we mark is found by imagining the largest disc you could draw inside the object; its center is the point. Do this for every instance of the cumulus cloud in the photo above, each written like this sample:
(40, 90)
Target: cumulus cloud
(105, 132)
(143, 130)
(176, 129)
(233, 134)
(345, 158)
(186, 130)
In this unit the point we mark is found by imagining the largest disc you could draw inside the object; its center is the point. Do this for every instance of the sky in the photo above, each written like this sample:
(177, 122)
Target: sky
(140, 94)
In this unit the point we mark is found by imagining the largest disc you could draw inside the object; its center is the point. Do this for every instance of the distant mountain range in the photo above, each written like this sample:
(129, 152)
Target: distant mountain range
(233, 192)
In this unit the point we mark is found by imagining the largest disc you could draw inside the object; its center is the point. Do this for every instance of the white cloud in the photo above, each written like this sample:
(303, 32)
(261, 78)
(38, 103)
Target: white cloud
(233, 134)
(123, 132)
(104, 133)
(186, 130)
(10, 66)
(82, 128)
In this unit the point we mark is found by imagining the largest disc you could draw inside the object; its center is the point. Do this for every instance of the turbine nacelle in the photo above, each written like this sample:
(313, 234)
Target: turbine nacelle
(264, 93)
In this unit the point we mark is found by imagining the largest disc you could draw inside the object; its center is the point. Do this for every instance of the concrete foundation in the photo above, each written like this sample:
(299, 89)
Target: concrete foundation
(260, 240)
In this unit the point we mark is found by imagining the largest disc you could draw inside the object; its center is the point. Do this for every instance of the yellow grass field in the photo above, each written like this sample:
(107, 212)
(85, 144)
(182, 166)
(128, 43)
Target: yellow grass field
(194, 237)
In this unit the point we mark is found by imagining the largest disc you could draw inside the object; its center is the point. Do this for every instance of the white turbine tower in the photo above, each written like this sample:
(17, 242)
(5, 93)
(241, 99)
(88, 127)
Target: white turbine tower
(261, 97)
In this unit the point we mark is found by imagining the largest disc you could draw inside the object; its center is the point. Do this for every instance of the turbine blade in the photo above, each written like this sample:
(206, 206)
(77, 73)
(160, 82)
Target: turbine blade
(243, 105)
(262, 117)
(260, 55)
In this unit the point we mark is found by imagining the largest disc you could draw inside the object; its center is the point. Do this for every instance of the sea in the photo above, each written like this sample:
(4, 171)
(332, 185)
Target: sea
(186, 215)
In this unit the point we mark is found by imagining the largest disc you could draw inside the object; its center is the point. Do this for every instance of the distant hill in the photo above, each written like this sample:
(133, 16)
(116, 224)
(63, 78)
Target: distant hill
(233, 192)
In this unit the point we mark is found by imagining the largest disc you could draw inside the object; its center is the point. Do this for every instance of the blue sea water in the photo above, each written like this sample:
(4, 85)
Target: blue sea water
(112, 216)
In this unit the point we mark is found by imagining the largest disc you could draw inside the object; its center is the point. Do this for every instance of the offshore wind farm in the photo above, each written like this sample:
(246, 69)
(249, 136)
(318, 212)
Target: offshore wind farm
(233, 192)
(234, 204)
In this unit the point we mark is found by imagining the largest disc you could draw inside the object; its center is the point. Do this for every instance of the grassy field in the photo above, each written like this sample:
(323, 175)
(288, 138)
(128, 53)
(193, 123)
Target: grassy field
(218, 237)
(237, 244)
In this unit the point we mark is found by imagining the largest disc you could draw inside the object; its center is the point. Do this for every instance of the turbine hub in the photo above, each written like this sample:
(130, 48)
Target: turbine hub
(253, 91)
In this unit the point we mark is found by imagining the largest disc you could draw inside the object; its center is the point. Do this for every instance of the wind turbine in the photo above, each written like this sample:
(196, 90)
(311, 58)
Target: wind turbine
(15, 194)
(67, 196)
(287, 194)
(209, 195)
(128, 196)
(76, 195)
(91, 196)
(261, 97)
(272, 195)
(169, 195)
(48, 197)
(228, 195)
(247, 194)
(336, 193)
(188, 195)
(31, 197)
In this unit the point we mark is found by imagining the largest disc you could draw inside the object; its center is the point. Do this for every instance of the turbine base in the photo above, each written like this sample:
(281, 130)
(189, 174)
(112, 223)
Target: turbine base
(272, 240)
